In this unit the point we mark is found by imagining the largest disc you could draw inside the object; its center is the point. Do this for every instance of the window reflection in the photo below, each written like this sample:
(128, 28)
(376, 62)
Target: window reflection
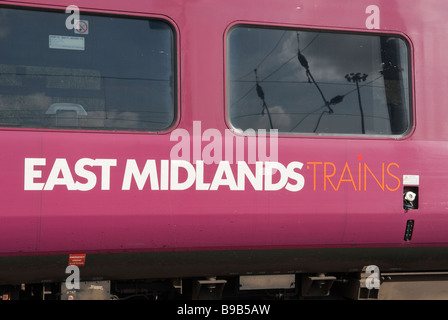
(121, 74)
(309, 82)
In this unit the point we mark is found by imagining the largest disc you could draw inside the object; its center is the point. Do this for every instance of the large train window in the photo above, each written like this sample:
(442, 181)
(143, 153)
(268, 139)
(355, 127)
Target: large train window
(318, 82)
(108, 73)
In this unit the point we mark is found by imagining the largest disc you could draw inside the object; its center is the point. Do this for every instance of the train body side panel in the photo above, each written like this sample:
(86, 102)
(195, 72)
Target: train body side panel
(352, 192)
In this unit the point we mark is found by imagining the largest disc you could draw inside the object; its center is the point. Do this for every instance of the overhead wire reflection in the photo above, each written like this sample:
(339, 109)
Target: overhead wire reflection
(276, 70)
(260, 94)
(288, 99)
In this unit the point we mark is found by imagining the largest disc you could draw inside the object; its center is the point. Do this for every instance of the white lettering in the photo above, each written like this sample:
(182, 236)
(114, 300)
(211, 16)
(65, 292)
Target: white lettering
(300, 180)
(83, 173)
(200, 185)
(224, 169)
(164, 175)
(60, 166)
(244, 172)
(269, 173)
(105, 171)
(61, 175)
(175, 184)
(140, 178)
(31, 173)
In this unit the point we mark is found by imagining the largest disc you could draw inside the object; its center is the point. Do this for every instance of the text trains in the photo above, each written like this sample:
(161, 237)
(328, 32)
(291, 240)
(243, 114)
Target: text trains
(326, 176)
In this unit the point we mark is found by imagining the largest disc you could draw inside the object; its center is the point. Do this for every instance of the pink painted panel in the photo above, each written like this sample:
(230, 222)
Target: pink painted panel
(353, 187)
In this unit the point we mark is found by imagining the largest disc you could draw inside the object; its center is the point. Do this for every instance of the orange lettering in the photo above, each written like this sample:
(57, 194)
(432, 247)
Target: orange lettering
(326, 176)
(365, 177)
(314, 172)
(346, 168)
(394, 176)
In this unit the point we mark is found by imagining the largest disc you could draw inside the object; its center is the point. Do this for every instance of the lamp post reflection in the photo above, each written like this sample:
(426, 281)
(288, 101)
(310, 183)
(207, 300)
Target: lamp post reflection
(356, 78)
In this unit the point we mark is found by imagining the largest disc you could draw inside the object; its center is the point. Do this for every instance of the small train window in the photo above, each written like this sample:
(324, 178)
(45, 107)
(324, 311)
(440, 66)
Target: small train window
(108, 73)
(318, 82)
